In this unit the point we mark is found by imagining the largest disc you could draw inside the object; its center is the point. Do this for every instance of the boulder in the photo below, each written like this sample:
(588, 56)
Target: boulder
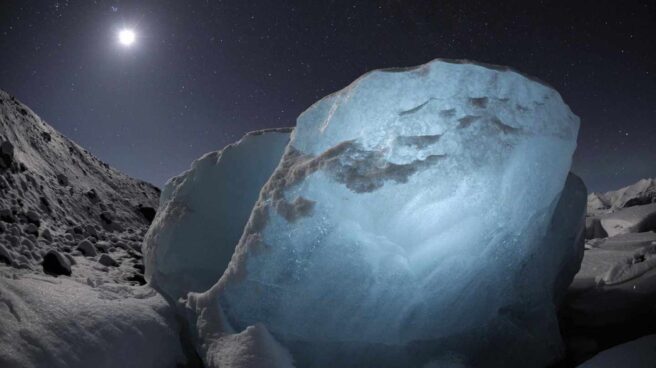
(54, 263)
(87, 248)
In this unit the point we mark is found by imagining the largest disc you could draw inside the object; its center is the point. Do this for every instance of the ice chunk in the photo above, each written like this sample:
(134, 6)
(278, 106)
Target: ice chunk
(407, 222)
(203, 212)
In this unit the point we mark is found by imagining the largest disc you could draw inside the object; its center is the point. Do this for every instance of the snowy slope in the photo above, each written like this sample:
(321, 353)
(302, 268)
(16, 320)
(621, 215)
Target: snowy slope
(70, 256)
(61, 322)
(55, 194)
(639, 193)
(612, 298)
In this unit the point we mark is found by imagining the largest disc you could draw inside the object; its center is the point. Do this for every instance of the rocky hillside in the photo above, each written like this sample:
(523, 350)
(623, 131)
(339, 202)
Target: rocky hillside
(66, 214)
(57, 200)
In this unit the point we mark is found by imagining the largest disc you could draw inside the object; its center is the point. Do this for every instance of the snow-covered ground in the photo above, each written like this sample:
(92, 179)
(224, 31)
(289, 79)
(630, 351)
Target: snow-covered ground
(71, 322)
(613, 297)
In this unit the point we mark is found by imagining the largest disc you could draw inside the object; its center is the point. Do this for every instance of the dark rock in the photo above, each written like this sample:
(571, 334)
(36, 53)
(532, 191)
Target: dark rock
(107, 217)
(5, 256)
(147, 212)
(108, 261)
(54, 263)
(7, 216)
(33, 217)
(45, 204)
(103, 246)
(140, 267)
(27, 243)
(138, 278)
(70, 258)
(92, 195)
(62, 180)
(6, 154)
(46, 136)
(87, 248)
(46, 234)
(31, 229)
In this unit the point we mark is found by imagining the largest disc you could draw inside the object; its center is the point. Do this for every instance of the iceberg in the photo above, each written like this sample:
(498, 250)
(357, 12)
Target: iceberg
(418, 217)
(203, 211)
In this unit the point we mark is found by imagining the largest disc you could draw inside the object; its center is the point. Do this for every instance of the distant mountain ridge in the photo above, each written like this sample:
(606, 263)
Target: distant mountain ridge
(640, 193)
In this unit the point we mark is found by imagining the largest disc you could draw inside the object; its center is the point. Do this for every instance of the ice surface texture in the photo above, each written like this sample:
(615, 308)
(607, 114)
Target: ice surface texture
(203, 211)
(407, 224)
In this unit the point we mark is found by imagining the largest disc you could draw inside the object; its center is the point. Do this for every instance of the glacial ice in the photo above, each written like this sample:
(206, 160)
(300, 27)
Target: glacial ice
(416, 218)
(203, 211)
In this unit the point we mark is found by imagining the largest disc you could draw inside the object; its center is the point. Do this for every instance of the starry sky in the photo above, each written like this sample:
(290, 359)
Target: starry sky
(202, 73)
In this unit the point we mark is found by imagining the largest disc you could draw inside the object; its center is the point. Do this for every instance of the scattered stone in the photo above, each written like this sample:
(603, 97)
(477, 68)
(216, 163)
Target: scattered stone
(92, 195)
(5, 256)
(7, 216)
(33, 217)
(107, 217)
(70, 258)
(11, 240)
(46, 234)
(140, 267)
(147, 212)
(103, 246)
(31, 229)
(27, 243)
(91, 231)
(55, 264)
(62, 180)
(87, 248)
(138, 278)
(6, 154)
(108, 261)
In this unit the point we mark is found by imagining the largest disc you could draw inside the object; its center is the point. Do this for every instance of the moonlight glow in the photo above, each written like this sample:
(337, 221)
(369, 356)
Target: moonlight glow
(126, 37)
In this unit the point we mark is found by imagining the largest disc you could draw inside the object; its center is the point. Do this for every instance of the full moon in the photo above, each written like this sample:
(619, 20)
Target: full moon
(126, 37)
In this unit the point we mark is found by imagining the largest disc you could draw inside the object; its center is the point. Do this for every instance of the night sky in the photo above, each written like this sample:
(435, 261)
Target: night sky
(202, 73)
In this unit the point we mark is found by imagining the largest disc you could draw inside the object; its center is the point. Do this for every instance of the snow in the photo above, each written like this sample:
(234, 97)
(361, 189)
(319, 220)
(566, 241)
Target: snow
(62, 322)
(632, 219)
(67, 214)
(639, 193)
(203, 212)
(412, 209)
(639, 353)
(611, 299)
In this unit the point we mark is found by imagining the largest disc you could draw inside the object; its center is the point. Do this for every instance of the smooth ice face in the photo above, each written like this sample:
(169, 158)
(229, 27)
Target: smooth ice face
(203, 211)
(410, 208)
